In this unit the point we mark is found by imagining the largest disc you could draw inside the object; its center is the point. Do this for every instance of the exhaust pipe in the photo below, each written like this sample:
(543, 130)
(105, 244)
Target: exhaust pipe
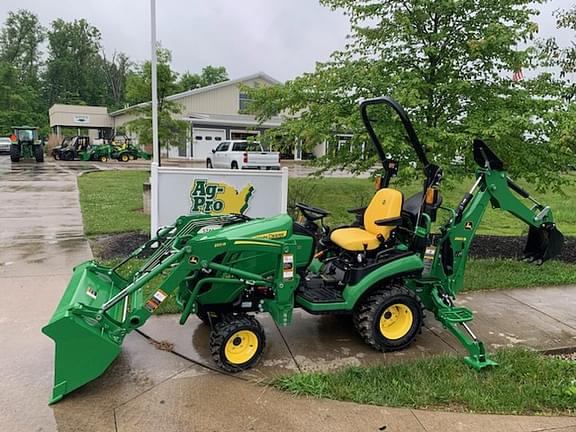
(543, 244)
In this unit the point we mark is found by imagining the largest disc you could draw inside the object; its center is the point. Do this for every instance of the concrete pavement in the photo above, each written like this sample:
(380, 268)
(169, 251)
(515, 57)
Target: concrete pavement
(147, 389)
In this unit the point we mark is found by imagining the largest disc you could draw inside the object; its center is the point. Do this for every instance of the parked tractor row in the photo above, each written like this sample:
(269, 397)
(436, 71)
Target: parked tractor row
(81, 148)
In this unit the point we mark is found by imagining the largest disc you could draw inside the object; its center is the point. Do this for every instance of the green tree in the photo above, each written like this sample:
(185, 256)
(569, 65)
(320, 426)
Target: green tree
(209, 75)
(450, 64)
(20, 40)
(116, 70)
(74, 72)
(20, 60)
(171, 131)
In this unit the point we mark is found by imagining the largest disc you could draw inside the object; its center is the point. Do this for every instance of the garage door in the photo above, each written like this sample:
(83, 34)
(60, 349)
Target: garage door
(204, 140)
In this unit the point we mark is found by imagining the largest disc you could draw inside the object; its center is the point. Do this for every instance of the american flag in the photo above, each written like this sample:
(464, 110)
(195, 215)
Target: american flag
(518, 75)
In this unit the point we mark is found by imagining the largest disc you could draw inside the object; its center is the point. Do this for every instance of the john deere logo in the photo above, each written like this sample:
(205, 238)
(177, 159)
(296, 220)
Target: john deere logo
(218, 197)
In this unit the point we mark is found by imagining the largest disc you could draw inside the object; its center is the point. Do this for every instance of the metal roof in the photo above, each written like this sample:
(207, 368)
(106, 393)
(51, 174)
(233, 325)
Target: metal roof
(200, 90)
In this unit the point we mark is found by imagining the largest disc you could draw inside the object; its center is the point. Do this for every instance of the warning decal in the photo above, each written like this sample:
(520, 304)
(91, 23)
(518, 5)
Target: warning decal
(155, 301)
(288, 260)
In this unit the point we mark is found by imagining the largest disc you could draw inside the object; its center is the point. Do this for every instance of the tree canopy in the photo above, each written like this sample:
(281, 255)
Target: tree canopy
(450, 64)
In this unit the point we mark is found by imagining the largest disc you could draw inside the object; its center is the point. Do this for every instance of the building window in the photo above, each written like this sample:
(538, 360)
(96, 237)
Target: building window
(208, 138)
(198, 138)
(244, 101)
(218, 138)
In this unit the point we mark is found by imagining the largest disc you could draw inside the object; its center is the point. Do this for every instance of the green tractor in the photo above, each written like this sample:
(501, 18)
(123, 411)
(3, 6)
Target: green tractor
(384, 271)
(26, 145)
(128, 152)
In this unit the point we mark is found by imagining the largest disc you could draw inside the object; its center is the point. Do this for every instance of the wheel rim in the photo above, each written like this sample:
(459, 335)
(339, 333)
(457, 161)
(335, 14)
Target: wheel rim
(241, 347)
(124, 158)
(103, 159)
(396, 321)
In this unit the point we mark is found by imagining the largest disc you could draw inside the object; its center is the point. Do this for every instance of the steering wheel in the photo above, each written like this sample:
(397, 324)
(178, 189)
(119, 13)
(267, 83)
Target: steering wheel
(311, 213)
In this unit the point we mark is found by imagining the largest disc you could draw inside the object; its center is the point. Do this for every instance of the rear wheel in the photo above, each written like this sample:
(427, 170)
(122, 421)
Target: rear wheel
(389, 319)
(209, 163)
(234, 165)
(15, 153)
(124, 157)
(237, 342)
(38, 153)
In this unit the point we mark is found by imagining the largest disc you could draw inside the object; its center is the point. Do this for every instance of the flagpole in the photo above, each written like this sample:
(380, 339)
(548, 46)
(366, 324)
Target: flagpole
(154, 210)
(155, 143)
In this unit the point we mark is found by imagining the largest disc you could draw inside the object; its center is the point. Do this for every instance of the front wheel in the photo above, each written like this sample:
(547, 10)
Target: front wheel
(209, 163)
(234, 165)
(124, 157)
(237, 342)
(103, 158)
(389, 319)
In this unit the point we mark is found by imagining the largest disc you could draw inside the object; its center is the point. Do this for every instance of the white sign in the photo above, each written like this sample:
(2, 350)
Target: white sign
(81, 118)
(182, 191)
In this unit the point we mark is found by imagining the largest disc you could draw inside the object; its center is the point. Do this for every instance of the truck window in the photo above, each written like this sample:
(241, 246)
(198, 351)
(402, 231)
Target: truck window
(222, 147)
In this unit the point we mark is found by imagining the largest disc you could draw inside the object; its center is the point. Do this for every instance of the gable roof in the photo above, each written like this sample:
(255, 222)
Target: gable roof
(206, 89)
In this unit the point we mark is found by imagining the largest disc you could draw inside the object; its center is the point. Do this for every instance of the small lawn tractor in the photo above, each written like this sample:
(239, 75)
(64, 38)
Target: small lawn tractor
(128, 152)
(383, 271)
(26, 145)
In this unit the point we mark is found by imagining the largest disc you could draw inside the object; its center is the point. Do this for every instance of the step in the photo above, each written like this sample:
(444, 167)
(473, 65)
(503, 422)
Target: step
(455, 315)
(320, 294)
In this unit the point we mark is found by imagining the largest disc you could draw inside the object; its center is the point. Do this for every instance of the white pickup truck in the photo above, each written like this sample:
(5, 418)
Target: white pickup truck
(243, 155)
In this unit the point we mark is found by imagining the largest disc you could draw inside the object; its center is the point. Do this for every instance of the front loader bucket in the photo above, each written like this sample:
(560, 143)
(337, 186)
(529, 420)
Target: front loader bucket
(543, 244)
(87, 341)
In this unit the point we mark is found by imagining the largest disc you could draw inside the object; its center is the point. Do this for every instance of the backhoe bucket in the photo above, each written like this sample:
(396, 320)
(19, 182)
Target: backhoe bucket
(543, 244)
(87, 341)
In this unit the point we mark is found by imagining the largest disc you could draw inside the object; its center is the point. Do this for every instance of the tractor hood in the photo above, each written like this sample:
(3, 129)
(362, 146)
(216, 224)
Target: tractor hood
(274, 228)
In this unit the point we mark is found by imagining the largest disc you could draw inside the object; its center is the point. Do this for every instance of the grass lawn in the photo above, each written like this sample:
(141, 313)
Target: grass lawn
(524, 383)
(111, 202)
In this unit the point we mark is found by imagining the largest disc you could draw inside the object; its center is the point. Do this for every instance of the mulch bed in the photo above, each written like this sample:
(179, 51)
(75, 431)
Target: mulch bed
(483, 246)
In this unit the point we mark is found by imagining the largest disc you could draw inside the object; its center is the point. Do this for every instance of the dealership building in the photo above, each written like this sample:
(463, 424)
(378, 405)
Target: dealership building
(214, 113)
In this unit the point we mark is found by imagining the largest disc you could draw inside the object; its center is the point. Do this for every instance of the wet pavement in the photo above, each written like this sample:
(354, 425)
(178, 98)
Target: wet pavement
(146, 389)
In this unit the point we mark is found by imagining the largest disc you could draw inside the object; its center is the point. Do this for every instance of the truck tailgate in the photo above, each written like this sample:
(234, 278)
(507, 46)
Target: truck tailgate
(263, 159)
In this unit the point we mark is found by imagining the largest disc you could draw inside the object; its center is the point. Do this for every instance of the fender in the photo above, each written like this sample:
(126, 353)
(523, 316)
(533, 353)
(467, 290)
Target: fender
(353, 293)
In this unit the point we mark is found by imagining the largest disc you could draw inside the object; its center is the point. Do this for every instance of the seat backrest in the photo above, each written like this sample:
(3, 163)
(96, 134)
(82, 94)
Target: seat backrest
(385, 204)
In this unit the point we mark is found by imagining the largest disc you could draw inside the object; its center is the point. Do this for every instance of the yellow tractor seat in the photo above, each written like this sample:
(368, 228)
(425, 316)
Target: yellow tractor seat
(385, 204)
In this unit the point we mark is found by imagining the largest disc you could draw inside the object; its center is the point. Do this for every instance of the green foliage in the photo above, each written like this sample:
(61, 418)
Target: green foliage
(525, 382)
(171, 131)
(74, 72)
(450, 64)
(209, 75)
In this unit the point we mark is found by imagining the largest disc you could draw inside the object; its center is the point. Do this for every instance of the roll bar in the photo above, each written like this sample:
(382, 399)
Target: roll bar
(413, 138)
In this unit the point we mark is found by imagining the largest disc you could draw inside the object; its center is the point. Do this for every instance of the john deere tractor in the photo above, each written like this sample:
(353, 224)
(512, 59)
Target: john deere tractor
(25, 144)
(384, 270)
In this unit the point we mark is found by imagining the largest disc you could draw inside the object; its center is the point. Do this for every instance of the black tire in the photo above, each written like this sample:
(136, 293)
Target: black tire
(67, 156)
(103, 158)
(15, 153)
(38, 153)
(209, 163)
(234, 165)
(226, 331)
(394, 301)
(124, 157)
(56, 155)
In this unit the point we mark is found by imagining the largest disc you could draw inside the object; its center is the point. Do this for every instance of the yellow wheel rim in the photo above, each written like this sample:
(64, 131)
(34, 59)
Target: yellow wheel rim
(396, 321)
(241, 347)
(103, 159)
(125, 158)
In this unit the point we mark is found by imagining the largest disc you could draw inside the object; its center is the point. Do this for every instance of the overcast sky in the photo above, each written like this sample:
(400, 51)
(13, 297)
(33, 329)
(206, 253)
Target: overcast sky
(280, 37)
